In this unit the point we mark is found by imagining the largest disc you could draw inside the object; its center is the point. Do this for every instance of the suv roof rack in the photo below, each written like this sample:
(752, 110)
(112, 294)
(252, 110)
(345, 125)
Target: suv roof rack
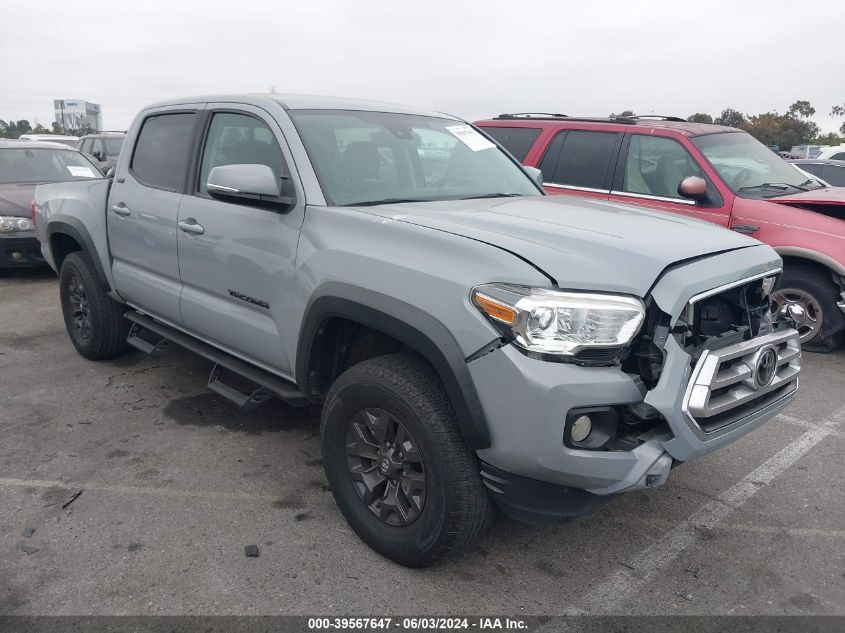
(658, 117)
(632, 119)
(533, 115)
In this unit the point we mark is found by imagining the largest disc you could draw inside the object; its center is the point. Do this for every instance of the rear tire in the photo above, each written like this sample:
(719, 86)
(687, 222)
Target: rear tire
(428, 503)
(821, 328)
(94, 321)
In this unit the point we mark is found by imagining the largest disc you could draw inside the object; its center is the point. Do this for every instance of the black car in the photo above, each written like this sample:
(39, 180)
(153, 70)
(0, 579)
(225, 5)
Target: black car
(23, 165)
(102, 147)
(831, 171)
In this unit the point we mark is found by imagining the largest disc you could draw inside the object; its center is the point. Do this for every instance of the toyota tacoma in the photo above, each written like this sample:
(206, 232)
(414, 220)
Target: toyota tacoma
(473, 342)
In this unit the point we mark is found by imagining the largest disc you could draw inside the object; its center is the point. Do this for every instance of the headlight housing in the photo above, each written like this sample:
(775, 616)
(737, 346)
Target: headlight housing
(12, 224)
(557, 322)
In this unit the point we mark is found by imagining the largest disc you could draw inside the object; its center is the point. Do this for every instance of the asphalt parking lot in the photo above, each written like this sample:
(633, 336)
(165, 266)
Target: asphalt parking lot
(175, 483)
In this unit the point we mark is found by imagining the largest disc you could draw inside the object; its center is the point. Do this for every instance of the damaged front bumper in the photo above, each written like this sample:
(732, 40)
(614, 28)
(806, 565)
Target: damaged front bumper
(533, 475)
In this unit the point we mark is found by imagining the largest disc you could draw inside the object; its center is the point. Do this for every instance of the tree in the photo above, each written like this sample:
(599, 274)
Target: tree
(57, 129)
(700, 117)
(624, 113)
(783, 130)
(40, 129)
(839, 110)
(801, 109)
(731, 118)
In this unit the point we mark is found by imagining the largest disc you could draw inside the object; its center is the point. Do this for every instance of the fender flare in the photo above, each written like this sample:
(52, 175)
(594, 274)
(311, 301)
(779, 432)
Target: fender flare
(74, 228)
(813, 256)
(409, 325)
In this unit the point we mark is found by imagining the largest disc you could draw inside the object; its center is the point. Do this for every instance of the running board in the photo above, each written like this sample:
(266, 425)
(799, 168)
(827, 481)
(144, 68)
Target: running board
(254, 385)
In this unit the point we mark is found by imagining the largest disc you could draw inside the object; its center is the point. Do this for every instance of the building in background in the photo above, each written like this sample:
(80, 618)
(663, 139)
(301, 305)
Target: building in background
(77, 115)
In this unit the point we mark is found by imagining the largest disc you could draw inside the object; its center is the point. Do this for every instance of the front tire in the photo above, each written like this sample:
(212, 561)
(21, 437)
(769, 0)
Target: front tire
(822, 322)
(94, 321)
(398, 467)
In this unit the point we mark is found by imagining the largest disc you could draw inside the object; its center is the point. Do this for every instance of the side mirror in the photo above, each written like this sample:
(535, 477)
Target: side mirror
(535, 173)
(246, 184)
(693, 187)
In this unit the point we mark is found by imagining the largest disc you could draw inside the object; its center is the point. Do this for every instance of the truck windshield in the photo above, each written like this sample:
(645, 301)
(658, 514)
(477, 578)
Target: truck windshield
(750, 168)
(371, 158)
(24, 165)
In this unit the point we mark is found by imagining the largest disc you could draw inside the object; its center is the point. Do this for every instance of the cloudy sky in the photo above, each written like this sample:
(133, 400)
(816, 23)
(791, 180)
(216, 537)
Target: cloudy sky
(473, 59)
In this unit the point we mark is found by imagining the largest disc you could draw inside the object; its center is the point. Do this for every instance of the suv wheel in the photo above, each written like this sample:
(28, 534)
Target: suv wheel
(809, 290)
(94, 321)
(397, 464)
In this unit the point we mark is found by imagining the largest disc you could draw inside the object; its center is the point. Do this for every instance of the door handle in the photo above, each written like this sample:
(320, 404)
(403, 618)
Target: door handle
(191, 226)
(745, 228)
(121, 209)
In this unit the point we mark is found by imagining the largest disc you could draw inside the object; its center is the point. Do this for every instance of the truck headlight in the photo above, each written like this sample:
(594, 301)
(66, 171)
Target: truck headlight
(10, 224)
(562, 323)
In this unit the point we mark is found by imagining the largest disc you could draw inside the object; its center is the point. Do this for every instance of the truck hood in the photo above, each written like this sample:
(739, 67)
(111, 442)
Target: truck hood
(15, 199)
(579, 243)
(829, 201)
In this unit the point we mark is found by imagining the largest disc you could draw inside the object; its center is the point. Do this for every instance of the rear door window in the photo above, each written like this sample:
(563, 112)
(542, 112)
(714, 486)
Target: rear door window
(580, 159)
(161, 153)
(517, 140)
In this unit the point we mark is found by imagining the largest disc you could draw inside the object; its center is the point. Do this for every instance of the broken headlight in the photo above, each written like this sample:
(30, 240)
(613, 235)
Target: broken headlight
(560, 323)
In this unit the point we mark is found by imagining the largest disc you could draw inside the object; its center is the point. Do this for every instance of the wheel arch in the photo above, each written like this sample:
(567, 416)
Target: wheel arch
(68, 235)
(797, 254)
(401, 322)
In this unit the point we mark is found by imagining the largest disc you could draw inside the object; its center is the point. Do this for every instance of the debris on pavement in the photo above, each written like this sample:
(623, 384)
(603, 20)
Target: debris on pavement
(28, 549)
(693, 569)
(73, 498)
(50, 457)
(251, 551)
(685, 596)
(28, 532)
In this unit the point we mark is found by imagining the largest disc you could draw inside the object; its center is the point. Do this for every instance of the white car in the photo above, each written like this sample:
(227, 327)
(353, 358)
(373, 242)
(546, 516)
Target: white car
(834, 152)
(51, 138)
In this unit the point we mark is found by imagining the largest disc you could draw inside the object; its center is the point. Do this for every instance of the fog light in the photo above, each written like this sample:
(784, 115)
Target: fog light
(581, 428)
(590, 428)
(17, 256)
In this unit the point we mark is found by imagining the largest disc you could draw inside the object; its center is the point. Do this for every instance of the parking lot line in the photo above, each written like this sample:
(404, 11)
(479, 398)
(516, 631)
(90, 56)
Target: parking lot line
(806, 424)
(610, 593)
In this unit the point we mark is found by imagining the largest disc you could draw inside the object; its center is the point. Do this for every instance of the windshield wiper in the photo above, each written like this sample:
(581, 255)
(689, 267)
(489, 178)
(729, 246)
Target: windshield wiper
(783, 186)
(492, 195)
(373, 203)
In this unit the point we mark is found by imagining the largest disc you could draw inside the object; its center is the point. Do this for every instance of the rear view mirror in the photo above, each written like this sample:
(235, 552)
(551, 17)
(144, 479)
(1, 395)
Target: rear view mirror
(693, 187)
(536, 174)
(246, 184)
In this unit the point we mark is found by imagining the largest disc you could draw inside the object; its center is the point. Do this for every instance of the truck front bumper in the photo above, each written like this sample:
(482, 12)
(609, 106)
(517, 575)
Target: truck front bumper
(534, 476)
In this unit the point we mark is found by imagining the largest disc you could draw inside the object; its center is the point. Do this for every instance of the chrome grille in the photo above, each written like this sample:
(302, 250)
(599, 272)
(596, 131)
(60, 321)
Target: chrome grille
(725, 385)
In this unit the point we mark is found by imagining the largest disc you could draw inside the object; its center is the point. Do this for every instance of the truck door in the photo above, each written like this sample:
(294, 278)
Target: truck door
(237, 259)
(142, 213)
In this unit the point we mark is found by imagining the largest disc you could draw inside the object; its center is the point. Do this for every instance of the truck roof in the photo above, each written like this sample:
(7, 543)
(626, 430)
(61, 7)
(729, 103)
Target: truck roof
(304, 102)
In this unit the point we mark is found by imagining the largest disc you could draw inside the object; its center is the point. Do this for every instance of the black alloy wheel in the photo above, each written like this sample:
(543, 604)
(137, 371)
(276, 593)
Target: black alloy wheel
(386, 467)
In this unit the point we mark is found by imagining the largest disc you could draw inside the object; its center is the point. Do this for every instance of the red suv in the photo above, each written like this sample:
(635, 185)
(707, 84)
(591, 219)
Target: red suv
(710, 172)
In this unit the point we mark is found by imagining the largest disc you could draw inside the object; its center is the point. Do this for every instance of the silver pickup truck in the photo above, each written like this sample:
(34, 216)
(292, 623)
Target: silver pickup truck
(474, 342)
